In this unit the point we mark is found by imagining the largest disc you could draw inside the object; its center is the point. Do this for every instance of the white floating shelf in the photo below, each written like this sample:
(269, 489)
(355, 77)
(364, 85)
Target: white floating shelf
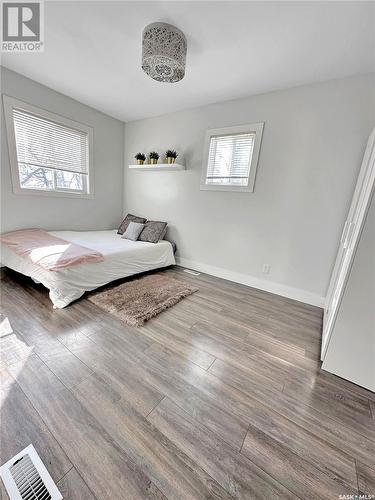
(158, 166)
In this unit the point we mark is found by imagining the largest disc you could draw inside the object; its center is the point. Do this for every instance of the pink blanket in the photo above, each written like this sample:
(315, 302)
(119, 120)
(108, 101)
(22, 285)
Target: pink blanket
(48, 251)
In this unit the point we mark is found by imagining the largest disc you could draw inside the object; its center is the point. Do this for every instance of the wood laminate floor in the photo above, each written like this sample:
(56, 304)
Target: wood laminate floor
(220, 396)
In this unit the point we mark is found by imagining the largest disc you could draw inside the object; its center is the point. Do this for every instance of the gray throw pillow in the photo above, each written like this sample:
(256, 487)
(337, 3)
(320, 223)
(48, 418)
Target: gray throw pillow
(129, 218)
(133, 230)
(153, 231)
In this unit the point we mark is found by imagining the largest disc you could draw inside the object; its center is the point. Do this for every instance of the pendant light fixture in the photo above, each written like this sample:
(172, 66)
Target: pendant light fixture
(163, 52)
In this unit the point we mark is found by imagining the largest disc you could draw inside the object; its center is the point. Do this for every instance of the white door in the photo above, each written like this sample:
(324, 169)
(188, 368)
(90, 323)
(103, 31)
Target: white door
(349, 240)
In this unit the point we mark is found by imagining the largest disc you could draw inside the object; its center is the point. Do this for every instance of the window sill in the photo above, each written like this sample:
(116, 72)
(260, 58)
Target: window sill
(57, 194)
(238, 189)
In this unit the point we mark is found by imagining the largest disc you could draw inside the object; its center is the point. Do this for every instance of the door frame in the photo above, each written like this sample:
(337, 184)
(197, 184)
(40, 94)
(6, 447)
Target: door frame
(349, 241)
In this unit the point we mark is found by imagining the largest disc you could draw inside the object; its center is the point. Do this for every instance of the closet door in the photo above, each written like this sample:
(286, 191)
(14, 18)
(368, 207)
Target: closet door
(351, 349)
(349, 240)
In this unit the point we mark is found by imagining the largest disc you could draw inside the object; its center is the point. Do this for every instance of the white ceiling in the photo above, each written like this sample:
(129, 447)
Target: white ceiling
(93, 50)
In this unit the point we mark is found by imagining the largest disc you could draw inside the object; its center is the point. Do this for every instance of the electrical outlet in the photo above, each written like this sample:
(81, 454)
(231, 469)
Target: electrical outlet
(266, 268)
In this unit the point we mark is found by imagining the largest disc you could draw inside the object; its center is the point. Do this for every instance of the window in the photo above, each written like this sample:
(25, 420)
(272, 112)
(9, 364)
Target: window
(231, 158)
(49, 154)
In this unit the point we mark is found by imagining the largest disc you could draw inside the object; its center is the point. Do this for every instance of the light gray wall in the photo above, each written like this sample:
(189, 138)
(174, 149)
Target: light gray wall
(351, 351)
(105, 209)
(313, 143)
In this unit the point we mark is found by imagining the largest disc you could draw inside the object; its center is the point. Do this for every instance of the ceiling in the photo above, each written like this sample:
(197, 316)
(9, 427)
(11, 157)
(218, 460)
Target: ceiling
(235, 49)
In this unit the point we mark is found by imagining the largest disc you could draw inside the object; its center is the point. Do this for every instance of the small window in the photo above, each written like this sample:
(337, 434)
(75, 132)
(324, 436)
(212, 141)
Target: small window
(231, 158)
(49, 154)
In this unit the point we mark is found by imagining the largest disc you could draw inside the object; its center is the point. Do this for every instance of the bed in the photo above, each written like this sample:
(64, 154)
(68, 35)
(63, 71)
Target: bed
(122, 258)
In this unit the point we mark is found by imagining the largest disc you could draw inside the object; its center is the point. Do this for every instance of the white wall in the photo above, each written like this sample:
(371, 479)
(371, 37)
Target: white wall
(105, 209)
(313, 143)
(351, 350)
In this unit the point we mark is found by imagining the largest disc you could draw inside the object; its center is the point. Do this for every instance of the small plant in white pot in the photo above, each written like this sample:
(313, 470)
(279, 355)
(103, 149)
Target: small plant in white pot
(140, 157)
(171, 156)
(154, 157)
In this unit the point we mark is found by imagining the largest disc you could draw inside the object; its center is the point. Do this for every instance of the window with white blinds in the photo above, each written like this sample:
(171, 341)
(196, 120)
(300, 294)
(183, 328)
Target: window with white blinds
(231, 156)
(229, 159)
(52, 153)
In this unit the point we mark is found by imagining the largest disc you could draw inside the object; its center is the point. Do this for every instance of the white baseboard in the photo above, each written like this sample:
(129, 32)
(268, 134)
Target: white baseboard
(245, 279)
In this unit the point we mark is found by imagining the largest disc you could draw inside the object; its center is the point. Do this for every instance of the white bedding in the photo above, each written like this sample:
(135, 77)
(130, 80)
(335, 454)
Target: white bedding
(122, 258)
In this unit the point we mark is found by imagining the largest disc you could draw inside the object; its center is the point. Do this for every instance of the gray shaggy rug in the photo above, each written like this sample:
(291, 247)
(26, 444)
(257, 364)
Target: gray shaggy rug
(137, 301)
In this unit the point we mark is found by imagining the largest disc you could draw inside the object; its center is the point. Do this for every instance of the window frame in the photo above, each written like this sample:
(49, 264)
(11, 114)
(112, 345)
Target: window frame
(256, 128)
(9, 104)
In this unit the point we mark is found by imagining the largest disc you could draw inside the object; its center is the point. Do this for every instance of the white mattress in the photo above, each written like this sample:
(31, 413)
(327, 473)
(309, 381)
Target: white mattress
(122, 258)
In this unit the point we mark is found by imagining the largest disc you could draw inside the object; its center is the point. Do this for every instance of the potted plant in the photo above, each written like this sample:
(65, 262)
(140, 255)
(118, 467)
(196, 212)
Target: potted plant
(154, 156)
(171, 156)
(140, 157)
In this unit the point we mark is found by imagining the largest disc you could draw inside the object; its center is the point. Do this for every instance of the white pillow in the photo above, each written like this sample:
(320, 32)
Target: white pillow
(133, 231)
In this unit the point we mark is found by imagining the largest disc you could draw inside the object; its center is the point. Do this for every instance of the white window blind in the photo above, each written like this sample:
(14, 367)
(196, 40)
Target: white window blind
(229, 159)
(50, 156)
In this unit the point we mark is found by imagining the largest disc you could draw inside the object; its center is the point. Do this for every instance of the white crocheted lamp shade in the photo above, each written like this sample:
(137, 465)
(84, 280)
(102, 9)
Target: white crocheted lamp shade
(163, 52)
